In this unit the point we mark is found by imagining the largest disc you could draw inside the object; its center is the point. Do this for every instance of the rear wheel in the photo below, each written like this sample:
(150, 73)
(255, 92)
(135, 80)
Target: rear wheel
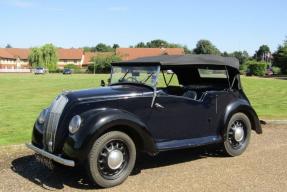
(111, 159)
(237, 135)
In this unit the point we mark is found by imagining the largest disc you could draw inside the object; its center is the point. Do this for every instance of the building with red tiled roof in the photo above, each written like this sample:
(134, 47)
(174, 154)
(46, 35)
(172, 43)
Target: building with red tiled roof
(70, 56)
(134, 53)
(17, 58)
(14, 58)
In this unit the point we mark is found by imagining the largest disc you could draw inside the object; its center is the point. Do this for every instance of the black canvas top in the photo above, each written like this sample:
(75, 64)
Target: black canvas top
(168, 60)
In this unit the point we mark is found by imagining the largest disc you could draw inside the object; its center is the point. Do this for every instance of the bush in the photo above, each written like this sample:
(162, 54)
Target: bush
(276, 70)
(257, 68)
(56, 71)
(102, 63)
(243, 68)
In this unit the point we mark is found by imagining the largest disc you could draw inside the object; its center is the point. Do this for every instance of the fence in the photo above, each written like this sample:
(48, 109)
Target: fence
(15, 70)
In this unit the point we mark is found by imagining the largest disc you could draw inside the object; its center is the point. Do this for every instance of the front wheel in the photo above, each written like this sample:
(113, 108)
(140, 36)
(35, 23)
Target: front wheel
(237, 135)
(111, 159)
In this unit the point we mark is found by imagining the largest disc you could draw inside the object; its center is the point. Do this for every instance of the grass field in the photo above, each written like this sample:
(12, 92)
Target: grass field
(22, 96)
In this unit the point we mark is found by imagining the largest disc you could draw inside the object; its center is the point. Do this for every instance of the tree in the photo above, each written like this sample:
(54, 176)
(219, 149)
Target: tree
(140, 45)
(115, 46)
(242, 56)
(206, 47)
(186, 50)
(225, 54)
(36, 57)
(50, 58)
(280, 57)
(102, 63)
(45, 56)
(8, 46)
(263, 53)
(157, 43)
(101, 47)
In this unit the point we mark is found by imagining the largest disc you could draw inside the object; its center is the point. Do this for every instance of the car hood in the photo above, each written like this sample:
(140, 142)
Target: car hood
(107, 92)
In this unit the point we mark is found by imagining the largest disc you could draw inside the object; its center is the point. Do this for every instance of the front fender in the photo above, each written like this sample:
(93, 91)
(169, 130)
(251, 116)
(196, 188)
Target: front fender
(99, 121)
(244, 107)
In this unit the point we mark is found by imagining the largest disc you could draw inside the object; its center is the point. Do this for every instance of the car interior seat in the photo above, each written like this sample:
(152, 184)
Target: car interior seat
(190, 94)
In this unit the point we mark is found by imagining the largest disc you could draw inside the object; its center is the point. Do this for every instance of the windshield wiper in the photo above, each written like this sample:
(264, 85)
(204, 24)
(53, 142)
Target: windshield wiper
(147, 78)
(121, 79)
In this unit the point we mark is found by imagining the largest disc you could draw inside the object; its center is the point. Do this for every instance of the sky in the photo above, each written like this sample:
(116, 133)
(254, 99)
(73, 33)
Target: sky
(230, 24)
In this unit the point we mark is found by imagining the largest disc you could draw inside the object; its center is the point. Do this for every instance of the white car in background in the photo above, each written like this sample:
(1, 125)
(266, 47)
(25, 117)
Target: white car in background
(39, 71)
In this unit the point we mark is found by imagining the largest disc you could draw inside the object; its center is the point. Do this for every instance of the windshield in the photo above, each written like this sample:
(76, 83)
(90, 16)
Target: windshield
(135, 74)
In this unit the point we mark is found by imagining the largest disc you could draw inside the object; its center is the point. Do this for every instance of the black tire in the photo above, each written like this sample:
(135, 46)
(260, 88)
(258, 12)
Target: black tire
(98, 168)
(231, 146)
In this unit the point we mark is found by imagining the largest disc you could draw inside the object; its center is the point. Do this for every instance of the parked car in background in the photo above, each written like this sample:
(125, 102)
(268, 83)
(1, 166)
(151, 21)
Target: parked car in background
(269, 72)
(67, 71)
(39, 71)
(105, 128)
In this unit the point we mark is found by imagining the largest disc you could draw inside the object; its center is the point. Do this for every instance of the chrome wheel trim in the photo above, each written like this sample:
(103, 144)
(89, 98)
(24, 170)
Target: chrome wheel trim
(237, 134)
(113, 159)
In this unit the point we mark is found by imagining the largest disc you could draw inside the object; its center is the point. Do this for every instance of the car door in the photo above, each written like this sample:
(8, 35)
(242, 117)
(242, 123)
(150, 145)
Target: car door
(180, 118)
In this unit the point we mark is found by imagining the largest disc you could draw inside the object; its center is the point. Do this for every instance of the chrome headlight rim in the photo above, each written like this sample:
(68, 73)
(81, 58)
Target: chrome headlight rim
(75, 124)
(43, 116)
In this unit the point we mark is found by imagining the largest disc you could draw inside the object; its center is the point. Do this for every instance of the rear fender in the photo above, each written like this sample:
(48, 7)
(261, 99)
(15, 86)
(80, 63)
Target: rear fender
(242, 106)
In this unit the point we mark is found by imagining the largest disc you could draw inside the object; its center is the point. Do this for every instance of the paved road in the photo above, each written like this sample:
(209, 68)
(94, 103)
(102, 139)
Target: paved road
(262, 168)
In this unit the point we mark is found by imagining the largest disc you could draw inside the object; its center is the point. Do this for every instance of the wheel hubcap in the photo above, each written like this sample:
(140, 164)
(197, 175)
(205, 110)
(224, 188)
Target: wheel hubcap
(238, 133)
(115, 159)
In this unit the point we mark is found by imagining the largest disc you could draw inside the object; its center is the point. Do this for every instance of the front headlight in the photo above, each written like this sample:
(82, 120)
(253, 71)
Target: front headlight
(42, 117)
(75, 124)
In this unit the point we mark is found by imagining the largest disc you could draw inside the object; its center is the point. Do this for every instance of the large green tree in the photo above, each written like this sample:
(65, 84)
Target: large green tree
(36, 57)
(45, 56)
(50, 57)
(206, 47)
(263, 53)
(242, 56)
(280, 57)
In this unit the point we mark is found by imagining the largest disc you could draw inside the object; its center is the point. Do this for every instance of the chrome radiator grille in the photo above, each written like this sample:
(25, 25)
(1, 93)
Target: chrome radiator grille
(52, 122)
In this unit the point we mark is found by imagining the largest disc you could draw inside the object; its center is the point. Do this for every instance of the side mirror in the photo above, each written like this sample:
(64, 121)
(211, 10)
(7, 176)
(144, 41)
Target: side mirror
(103, 83)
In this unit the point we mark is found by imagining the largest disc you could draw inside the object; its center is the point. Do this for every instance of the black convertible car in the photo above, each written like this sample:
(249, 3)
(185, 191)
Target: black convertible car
(199, 101)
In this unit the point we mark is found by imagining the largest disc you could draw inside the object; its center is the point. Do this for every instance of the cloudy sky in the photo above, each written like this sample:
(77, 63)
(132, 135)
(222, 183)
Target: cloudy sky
(229, 24)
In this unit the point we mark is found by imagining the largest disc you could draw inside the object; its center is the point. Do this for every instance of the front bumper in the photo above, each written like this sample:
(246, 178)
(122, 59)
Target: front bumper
(53, 157)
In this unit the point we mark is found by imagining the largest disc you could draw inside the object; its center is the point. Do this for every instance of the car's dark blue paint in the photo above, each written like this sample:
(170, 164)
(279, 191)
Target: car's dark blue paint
(99, 121)
(186, 143)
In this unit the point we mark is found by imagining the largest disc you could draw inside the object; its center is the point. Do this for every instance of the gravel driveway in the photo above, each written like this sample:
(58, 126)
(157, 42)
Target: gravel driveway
(262, 168)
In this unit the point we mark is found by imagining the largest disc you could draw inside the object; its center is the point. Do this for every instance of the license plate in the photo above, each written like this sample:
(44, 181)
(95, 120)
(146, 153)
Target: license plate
(45, 161)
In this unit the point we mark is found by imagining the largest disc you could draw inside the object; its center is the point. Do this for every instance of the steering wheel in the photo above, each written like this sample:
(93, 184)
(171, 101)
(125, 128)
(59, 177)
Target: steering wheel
(133, 79)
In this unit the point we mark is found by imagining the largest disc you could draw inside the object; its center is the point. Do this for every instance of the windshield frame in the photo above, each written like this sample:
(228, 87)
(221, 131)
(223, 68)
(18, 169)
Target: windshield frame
(135, 83)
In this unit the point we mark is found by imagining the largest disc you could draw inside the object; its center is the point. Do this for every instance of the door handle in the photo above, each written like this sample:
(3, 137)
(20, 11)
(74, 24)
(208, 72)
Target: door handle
(157, 105)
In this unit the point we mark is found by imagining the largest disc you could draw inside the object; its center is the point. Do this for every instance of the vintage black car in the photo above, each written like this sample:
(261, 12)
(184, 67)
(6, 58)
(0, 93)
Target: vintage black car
(200, 102)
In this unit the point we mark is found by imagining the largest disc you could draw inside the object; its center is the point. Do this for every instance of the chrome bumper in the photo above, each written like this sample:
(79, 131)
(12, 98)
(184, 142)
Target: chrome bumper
(53, 157)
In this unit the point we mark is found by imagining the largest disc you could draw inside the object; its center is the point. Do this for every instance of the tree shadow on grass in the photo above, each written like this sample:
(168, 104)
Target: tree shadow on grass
(29, 168)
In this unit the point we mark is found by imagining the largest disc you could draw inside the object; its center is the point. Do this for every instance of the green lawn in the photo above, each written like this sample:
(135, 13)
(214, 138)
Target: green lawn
(22, 96)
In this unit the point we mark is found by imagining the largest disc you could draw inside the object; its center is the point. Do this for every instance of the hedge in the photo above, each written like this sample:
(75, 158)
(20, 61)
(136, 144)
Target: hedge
(257, 68)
